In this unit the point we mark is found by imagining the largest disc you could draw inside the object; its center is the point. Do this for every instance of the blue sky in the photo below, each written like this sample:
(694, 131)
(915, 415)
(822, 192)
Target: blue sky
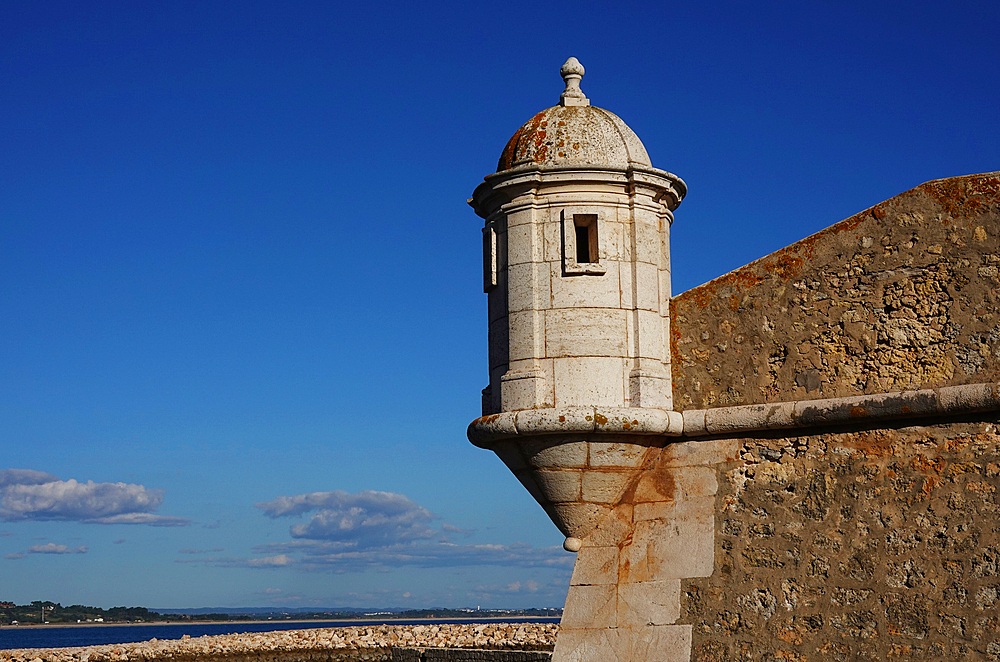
(240, 289)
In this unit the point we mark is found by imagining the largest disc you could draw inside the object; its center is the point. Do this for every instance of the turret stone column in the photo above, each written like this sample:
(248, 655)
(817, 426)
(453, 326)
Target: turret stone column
(577, 269)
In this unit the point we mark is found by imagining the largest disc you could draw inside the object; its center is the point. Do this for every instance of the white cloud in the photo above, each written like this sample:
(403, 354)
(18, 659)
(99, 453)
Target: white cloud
(377, 530)
(24, 477)
(52, 548)
(270, 561)
(150, 519)
(33, 495)
(14, 557)
(275, 561)
(367, 519)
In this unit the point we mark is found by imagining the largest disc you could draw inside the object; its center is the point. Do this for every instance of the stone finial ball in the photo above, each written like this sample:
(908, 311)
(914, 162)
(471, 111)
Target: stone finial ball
(572, 544)
(571, 67)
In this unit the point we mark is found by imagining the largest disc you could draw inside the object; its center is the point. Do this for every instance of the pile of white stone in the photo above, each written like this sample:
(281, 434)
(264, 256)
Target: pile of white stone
(347, 644)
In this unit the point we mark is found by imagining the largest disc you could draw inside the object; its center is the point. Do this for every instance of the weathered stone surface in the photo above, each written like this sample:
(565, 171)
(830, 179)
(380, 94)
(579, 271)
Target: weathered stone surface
(871, 544)
(905, 295)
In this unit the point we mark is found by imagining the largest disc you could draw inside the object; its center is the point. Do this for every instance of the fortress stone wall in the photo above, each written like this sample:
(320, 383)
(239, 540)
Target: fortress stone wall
(881, 539)
(905, 295)
(864, 544)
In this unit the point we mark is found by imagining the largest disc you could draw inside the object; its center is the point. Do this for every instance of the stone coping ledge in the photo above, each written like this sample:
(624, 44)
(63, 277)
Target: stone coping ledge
(486, 430)
(693, 423)
(944, 401)
(341, 644)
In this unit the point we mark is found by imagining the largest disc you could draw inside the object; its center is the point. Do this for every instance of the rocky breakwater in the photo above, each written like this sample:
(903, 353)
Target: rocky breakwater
(347, 644)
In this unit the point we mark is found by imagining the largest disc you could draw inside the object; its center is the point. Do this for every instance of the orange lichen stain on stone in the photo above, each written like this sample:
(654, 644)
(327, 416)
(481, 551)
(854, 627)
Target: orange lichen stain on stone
(926, 465)
(956, 444)
(600, 419)
(929, 484)
(858, 412)
(704, 295)
(663, 482)
(512, 151)
(963, 196)
(878, 212)
(734, 302)
(869, 444)
(562, 419)
(790, 636)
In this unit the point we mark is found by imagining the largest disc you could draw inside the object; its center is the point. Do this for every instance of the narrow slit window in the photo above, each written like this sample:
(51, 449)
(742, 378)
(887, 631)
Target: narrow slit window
(489, 258)
(586, 238)
(583, 244)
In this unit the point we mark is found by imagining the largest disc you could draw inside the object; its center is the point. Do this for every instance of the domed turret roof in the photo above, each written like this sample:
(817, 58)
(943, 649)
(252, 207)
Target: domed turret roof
(574, 133)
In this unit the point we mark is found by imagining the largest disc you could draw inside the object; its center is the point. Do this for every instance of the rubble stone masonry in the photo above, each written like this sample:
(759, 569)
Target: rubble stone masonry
(904, 295)
(871, 544)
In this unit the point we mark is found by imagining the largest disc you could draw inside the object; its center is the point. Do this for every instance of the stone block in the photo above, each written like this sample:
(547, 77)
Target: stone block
(496, 302)
(650, 339)
(612, 241)
(552, 235)
(578, 520)
(675, 548)
(528, 286)
(694, 422)
(750, 417)
(616, 454)
(649, 603)
(647, 286)
(684, 485)
(555, 453)
(665, 289)
(559, 486)
(585, 290)
(648, 241)
(525, 244)
(649, 390)
(526, 335)
(663, 643)
(585, 332)
(631, 421)
(604, 486)
(595, 565)
(669, 510)
(699, 453)
(499, 349)
(589, 645)
(589, 381)
(524, 389)
(613, 529)
(590, 606)
(626, 280)
(561, 419)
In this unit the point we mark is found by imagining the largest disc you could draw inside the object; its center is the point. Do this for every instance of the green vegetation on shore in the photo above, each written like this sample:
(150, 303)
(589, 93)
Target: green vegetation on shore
(41, 611)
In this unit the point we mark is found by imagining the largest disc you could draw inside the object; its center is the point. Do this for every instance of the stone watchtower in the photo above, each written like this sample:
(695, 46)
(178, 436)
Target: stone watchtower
(577, 269)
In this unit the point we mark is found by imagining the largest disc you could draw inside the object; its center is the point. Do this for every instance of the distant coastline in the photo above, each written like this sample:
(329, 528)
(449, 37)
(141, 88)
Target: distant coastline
(359, 620)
